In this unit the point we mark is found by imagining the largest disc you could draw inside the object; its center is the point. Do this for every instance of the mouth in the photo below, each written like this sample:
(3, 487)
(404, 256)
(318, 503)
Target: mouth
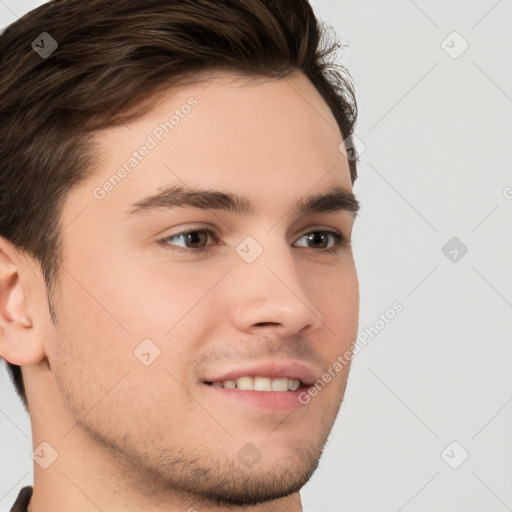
(260, 384)
(272, 386)
(264, 394)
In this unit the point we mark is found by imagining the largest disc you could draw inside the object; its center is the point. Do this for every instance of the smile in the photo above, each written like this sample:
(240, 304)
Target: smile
(249, 383)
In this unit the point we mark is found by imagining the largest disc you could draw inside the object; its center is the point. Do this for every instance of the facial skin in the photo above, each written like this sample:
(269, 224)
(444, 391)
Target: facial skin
(154, 438)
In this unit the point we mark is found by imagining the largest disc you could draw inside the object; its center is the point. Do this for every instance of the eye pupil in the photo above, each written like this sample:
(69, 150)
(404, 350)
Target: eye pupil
(195, 236)
(317, 236)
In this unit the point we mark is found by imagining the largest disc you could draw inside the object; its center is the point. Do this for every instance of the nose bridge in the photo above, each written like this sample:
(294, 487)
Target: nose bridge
(271, 290)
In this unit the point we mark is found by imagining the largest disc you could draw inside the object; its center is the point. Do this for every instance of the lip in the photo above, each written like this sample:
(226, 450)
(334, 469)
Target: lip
(269, 401)
(272, 369)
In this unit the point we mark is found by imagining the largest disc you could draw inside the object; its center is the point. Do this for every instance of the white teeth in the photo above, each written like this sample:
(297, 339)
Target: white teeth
(293, 384)
(280, 384)
(245, 383)
(262, 384)
(259, 384)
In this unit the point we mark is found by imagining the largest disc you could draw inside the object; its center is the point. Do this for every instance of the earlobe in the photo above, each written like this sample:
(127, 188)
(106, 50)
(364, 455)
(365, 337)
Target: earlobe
(19, 340)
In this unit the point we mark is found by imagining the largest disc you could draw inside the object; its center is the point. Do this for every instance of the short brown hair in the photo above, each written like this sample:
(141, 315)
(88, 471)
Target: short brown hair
(110, 56)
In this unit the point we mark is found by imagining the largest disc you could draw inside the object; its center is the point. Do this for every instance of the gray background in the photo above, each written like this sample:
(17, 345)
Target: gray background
(434, 136)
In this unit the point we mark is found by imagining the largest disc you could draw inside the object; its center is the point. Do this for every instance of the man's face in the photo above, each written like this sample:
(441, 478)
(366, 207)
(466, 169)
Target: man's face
(145, 323)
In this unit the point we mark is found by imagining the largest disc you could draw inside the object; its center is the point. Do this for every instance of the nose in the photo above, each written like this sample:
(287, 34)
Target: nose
(270, 294)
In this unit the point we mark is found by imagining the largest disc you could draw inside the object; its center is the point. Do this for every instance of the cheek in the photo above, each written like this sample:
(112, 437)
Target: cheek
(334, 291)
(99, 357)
(138, 295)
(92, 348)
(114, 313)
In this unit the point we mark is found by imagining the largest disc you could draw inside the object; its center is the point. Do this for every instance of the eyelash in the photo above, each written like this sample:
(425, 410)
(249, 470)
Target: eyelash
(340, 241)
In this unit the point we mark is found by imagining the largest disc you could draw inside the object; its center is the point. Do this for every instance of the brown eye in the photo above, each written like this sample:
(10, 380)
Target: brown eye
(194, 240)
(321, 239)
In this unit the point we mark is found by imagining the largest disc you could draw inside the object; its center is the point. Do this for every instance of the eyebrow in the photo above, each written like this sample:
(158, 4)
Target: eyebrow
(334, 199)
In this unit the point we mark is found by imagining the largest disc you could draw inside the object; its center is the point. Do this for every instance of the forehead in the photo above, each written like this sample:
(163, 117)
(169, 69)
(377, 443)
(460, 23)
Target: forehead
(267, 138)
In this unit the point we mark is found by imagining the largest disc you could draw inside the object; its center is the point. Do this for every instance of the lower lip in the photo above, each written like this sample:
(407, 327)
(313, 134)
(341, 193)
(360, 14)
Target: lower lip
(282, 401)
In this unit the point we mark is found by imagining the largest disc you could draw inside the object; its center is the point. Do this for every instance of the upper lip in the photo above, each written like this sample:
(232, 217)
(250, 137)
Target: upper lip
(272, 369)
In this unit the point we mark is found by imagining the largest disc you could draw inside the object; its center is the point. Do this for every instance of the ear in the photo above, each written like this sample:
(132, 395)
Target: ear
(20, 342)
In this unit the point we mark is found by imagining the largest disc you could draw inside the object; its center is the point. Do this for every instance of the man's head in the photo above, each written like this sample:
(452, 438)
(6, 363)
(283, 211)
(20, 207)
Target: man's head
(152, 119)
